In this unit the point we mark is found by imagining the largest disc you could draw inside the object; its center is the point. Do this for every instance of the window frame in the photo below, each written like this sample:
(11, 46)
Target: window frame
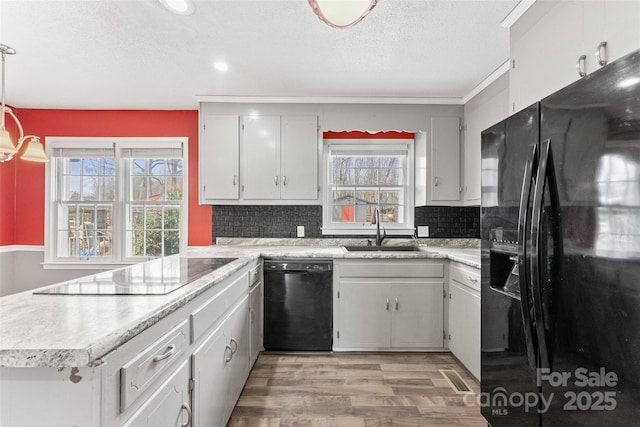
(120, 203)
(407, 228)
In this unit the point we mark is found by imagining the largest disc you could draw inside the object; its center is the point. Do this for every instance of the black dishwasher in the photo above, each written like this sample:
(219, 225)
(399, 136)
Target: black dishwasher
(298, 305)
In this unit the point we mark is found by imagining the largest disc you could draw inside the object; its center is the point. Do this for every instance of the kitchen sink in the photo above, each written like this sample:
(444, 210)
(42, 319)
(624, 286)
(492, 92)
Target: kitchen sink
(382, 248)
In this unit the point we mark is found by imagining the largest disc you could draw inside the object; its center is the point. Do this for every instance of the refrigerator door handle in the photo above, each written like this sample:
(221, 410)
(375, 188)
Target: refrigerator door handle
(546, 173)
(523, 226)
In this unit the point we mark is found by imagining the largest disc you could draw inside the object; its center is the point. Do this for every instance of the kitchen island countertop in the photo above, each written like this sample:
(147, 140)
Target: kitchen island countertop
(78, 330)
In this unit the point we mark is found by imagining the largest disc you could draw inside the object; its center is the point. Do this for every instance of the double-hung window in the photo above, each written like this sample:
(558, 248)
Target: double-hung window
(365, 175)
(115, 200)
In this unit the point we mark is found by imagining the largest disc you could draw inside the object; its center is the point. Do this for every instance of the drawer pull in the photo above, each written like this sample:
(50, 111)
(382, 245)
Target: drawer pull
(472, 280)
(601, 53)
(187, 409)
(580, 65)
(227, 359)
(235, 347)
(170, 350)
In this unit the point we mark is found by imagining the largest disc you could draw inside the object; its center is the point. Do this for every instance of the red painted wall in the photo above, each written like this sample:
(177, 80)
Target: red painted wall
(24, 194)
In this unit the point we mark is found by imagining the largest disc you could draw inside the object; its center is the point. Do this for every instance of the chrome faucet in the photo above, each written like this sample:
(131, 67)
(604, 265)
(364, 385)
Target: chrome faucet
(376, 221)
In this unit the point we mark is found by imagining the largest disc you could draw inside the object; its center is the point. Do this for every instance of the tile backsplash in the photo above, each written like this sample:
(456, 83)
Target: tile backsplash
(448, 221)
(281, 221)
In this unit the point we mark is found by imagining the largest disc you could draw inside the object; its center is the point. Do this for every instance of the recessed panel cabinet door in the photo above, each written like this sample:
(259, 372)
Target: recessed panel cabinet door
(299, 154)
(545, 61)
(220, 158)
(236, 331)
(364, 314)
(255, 322)
(211, 379)
(445, 159)
(169, 405)
(417, 309)
(464, 326)
(261, 154)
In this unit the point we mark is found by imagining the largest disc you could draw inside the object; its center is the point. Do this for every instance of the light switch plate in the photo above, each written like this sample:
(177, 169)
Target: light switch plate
(423, 231)
(300, 231)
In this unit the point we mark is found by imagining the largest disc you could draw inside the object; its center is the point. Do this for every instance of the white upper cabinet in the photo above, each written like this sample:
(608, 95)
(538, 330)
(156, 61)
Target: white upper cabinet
(484, 110)
(280, 156)
(219, 158)
(553, 42)
(544, 57)
(614, 22)
(438, 163)
(299, 156)
(261, 157)
(445, 160)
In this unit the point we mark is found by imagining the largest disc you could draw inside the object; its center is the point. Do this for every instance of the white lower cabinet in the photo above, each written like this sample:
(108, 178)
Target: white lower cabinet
(169, 404)
(388, 305)
(256, 321)
(210, 376)
(417, 313)
(464, 316)
(364, 319)
(220, 367)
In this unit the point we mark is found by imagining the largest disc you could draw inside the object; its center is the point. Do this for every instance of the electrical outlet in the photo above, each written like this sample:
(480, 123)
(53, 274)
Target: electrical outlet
(300, 231)
(423, 231)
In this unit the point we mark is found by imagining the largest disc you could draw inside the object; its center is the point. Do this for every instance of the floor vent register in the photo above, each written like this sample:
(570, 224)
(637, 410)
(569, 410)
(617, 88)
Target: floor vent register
(455, 381)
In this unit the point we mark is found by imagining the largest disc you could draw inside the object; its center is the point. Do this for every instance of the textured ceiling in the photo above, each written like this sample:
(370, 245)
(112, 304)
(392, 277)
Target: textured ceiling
(121, 54)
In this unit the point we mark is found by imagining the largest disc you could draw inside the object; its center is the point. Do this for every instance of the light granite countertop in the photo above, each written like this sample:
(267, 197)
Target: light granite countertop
(77, 330)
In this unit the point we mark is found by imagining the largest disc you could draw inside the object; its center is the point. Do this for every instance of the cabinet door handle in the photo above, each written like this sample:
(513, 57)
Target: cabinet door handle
(235, 347)
(170, 350)
(580, 65)
(234, 180)
(387, 304)
(436, 181)
(187, 409)
(227, 359)
(284, 180)
(601, 53)
(277, 181)
(396, 304)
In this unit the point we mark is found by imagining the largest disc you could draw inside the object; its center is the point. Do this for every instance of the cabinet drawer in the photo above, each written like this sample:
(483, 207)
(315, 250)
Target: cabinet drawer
(205, 316)
(467, 276)
(254, 275)
(137, 375)
(393, 268)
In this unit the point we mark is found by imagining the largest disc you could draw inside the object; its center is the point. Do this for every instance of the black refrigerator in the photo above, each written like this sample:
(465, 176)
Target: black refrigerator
(560, 230)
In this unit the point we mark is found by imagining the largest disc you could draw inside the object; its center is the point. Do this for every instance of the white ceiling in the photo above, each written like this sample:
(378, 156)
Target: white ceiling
(129, 54)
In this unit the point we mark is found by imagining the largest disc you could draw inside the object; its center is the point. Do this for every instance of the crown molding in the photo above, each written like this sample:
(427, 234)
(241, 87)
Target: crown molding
(516, 13)
(328, 100)
(487, 81)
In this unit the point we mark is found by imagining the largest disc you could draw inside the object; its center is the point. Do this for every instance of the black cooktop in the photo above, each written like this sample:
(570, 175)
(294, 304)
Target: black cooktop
(157, 277)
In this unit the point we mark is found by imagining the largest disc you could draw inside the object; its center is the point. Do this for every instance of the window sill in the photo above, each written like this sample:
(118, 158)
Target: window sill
(83, 265)
(326, 231)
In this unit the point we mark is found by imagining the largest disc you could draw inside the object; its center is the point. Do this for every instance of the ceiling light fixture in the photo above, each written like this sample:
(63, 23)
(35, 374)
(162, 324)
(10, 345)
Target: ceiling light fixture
(34, 151)
(181, 7)
(342, 13)
(221, 66)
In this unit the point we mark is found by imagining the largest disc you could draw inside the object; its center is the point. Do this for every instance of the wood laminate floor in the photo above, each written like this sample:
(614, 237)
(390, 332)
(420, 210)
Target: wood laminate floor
(355, 390)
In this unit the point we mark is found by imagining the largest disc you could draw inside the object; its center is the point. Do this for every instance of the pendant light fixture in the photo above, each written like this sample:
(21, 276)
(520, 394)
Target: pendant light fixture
(34, 151)
(342, 13)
